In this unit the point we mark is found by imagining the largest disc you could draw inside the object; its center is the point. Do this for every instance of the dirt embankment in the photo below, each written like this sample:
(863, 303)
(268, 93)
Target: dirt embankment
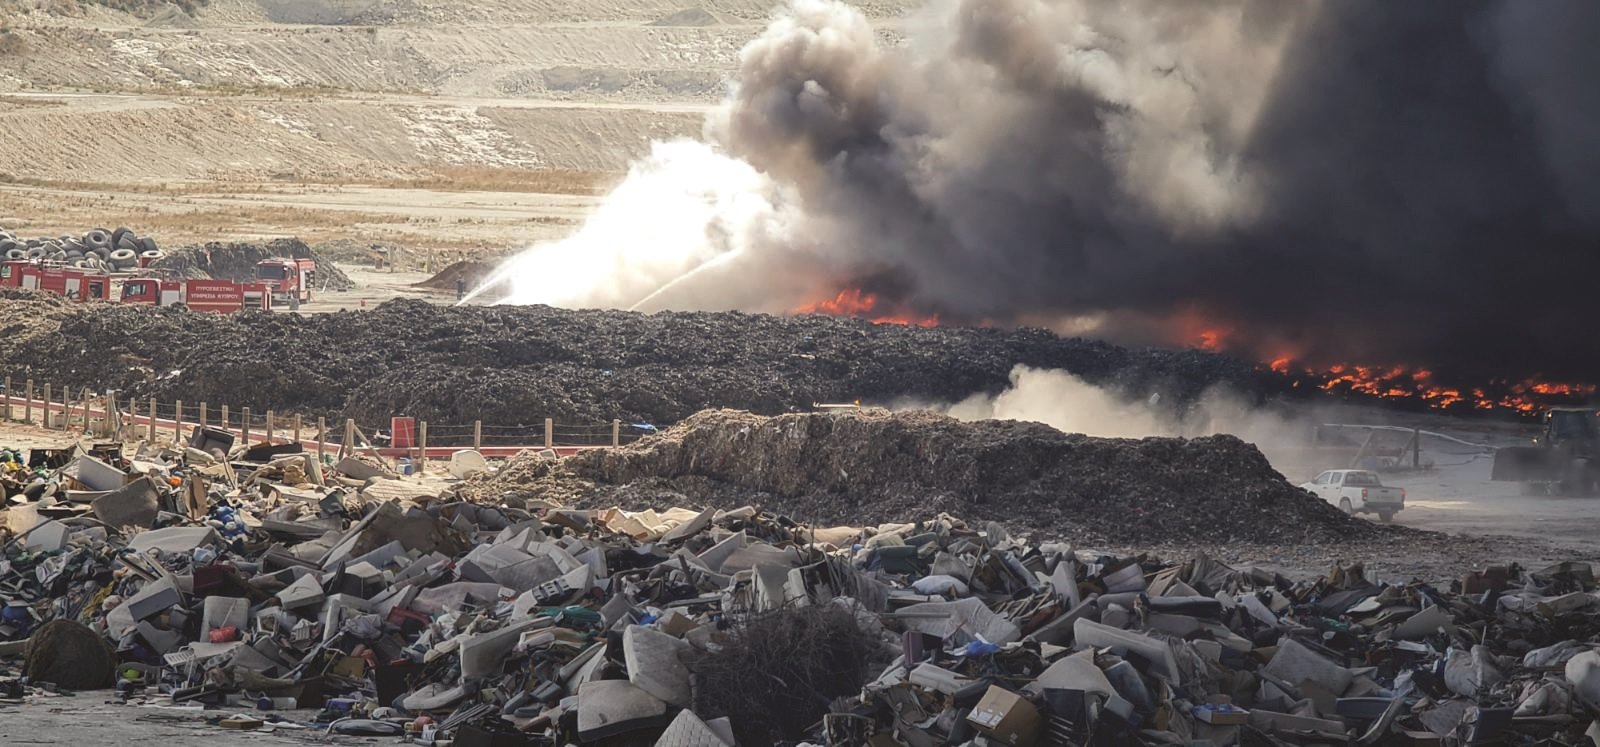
(860, 468)
(518, 365)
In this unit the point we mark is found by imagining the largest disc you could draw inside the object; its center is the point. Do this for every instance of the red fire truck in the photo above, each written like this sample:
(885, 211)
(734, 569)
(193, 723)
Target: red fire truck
(287, 279)
(290, 279)
(74, 283)
(218, 296)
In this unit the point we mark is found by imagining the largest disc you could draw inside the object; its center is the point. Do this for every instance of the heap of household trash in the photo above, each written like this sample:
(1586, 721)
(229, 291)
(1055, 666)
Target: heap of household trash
(271, 588)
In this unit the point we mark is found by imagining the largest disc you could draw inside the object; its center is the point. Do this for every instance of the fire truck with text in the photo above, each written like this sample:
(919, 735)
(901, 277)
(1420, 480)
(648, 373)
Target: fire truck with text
(281, 280)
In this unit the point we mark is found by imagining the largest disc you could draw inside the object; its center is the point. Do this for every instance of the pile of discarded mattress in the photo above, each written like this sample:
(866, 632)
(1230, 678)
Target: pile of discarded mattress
(270, 585)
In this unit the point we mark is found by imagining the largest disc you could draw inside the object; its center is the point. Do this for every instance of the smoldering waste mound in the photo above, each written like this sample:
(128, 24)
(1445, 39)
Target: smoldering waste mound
(515, 366)
(874, 466)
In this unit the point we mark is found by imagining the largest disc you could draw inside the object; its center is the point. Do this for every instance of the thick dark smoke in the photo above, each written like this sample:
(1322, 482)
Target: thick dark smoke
(1408, 182)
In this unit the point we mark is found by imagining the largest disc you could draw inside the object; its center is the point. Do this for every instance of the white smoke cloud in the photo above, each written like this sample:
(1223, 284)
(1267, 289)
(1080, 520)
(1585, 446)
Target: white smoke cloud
(832, 145)
(1071, 405)
(685, 209)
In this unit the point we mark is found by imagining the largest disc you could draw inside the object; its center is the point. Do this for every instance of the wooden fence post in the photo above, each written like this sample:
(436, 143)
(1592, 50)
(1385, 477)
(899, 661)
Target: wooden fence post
(202, 414)
(616, 433)
(177, 424)
(113, 417)
(27, 406)
(549, 433)
(66, 409)
(7, 414)
(133, 419)
(322, 437)
(477, 434)
(297, 427)
(422, 446)
(225, 419)
(150, 435)
(244, 425)
(348, 447)
(47, 405)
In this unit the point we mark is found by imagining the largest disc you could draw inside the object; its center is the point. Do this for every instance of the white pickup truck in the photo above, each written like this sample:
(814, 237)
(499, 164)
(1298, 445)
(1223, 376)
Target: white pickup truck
(1357, 491)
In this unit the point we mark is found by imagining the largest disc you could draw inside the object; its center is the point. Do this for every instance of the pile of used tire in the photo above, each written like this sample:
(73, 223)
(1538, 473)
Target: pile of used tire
(97, 249)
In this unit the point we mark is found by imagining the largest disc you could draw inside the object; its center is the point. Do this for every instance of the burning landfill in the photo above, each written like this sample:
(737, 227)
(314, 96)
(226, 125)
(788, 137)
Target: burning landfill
(1235, 174)
(912, 208)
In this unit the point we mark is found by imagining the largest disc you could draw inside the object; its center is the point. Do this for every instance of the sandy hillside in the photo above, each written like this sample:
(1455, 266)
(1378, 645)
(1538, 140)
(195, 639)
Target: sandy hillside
(342, 118)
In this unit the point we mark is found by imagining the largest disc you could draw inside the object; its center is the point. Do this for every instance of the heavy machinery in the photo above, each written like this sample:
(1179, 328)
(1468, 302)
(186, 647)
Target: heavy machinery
(1564, 459)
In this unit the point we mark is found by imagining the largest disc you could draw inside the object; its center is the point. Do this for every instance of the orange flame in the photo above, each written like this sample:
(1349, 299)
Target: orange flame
(1197, 329)
(854, 302)
(1402, 383)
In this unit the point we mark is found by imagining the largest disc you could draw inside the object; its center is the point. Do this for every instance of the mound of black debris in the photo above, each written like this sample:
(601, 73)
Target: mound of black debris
(873, 466)
(519, 365)
(236, 261)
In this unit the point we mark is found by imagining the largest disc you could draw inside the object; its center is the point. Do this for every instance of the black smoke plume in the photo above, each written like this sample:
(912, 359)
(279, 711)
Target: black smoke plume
(1397, 182)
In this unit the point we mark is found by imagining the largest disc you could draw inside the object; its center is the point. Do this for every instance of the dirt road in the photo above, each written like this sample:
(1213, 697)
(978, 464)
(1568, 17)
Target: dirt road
(1459, 498)
(96, 718)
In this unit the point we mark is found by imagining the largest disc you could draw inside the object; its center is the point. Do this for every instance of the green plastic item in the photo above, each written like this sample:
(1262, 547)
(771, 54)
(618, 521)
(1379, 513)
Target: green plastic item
(573, 617)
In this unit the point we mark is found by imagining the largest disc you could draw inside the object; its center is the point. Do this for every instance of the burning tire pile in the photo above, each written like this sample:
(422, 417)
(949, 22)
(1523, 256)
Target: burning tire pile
(874, 466)
(518, 365)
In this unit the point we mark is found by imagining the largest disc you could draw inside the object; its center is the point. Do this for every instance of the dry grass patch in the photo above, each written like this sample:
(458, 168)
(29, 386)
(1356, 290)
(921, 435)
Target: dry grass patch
(494, 179)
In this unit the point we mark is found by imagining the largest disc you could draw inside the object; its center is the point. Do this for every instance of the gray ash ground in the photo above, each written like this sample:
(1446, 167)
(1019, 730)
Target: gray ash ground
(519, 365)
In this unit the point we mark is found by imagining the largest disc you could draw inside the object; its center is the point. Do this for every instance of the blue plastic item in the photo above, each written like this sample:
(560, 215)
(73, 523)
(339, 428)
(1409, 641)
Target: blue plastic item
(981, 648)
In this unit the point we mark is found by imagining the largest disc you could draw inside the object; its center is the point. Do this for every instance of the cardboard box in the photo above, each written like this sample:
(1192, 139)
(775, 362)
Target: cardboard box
(1222, 715)
(1220, 711)
(1006, 717)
